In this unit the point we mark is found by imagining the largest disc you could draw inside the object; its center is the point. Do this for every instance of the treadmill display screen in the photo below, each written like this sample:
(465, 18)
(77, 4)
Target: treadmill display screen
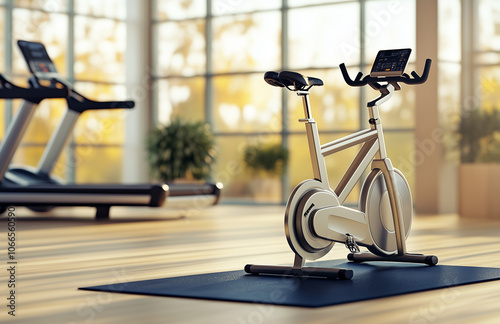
(390, 62)
(38, 59)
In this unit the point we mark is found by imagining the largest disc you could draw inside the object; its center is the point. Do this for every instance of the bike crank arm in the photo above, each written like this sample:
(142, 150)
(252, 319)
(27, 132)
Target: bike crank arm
(341, 224)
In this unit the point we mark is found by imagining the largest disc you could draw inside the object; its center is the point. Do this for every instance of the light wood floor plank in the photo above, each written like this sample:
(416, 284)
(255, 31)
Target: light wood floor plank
(67, 249)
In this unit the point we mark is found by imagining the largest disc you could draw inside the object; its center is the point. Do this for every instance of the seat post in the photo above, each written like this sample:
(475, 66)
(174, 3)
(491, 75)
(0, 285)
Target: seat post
(317, 160)
(306, 104)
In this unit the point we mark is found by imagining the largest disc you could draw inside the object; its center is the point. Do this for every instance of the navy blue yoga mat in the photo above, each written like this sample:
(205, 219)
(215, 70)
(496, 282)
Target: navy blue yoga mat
(371, 280)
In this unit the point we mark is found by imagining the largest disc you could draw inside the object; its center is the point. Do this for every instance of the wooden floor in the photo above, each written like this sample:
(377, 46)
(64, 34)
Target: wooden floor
(56, 254)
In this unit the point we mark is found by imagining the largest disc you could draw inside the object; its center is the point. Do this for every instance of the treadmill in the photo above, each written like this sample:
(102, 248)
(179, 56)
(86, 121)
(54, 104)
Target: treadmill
(179, 195)
(34, 188)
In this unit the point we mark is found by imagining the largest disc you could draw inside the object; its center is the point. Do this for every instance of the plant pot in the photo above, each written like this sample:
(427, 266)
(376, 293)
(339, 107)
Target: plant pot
(479, 190)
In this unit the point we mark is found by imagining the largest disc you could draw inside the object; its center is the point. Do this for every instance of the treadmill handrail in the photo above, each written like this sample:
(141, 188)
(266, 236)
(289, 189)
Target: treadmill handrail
(80, 103)
(9, 90)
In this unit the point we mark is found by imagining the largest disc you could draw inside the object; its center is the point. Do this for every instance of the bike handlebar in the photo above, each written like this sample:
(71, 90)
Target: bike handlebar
(405, 78)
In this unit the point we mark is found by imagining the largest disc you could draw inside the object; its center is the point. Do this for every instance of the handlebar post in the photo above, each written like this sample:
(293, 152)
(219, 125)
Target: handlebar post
(386, 94)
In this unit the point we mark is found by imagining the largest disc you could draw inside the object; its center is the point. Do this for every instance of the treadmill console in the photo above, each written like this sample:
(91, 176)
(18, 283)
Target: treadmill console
(390, 62)
(38, 59)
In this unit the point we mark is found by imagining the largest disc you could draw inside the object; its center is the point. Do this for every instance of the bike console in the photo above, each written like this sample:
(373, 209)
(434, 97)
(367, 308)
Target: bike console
(390, 63)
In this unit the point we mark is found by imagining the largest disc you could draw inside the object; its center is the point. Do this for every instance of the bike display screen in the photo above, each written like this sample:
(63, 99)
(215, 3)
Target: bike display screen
(390, 62)
(38, 59)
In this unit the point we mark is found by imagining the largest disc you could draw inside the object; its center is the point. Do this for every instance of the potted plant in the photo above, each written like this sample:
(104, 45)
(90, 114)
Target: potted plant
(181, 150)
(479, 140)
(266, 163)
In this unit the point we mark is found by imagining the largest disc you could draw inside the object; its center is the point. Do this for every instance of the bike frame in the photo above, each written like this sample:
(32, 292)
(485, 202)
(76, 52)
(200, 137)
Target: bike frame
(372, 151)
(312, 233)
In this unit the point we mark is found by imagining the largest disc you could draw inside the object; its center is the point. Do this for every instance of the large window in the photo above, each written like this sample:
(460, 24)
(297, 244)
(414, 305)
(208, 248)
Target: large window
(487, 53)
(469, 69)
(86, 39)
(450, 68)
(210, 57)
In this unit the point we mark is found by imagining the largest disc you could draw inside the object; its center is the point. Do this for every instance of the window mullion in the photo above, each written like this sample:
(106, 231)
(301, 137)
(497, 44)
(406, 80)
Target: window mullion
(70, 63)
(8, 56)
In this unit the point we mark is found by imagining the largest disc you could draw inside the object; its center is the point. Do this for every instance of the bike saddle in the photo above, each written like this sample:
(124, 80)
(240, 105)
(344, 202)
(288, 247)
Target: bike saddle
(272, 78)
(300, 81)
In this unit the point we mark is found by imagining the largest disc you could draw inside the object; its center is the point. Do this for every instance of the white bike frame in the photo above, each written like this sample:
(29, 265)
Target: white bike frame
(372, 151)
(312, 233)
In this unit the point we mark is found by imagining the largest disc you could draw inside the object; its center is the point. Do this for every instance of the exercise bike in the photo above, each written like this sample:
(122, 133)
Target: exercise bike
(315, 217)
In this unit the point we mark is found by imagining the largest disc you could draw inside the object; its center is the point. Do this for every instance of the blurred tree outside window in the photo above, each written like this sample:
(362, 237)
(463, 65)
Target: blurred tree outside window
(180, 48)
(182, 97)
